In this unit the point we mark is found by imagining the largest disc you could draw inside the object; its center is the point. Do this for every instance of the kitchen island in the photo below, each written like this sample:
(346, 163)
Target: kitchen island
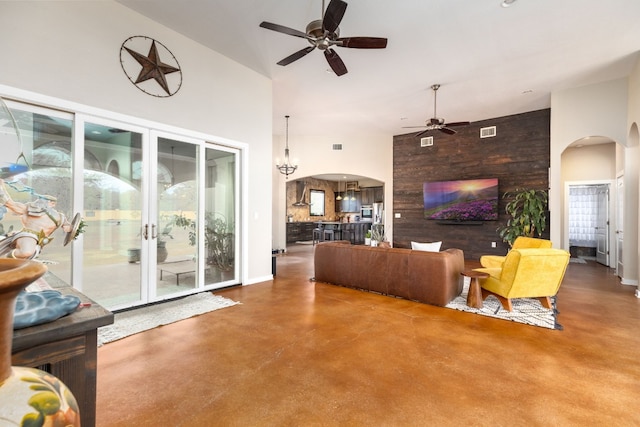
(353, 231)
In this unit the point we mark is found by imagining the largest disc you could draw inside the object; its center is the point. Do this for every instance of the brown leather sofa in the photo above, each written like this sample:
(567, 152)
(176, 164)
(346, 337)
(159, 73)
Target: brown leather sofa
(429, 277)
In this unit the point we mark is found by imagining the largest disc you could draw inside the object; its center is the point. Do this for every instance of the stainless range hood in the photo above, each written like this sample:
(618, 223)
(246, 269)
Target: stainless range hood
(301, 191)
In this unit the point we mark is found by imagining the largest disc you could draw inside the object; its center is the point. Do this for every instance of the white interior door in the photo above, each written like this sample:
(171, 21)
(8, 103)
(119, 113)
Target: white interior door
(619, 224)
(602, 226)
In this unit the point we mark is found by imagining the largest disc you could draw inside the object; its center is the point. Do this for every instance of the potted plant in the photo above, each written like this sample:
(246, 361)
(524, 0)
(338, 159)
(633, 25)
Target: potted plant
(367, 238)
(528, 214)
(218, 238)
(377, 234)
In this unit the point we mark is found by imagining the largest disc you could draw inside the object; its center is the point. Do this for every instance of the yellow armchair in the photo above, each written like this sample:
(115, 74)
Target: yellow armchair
(526, 273)
(522, 242)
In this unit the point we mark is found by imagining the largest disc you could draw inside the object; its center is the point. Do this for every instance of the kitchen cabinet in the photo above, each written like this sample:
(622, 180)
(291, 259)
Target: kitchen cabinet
(366, 195)
(300, 231)
(378, 194)
(346, 205)
(370, 195)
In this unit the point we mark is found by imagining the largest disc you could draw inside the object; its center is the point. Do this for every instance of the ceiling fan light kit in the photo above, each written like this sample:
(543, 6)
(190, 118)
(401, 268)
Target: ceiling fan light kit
(324, 34)
(436, 123)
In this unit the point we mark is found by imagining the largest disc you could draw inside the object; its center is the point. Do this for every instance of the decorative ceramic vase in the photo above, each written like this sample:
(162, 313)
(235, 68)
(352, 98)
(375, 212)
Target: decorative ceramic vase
(133, 255)
(162, 251)
(29, 397)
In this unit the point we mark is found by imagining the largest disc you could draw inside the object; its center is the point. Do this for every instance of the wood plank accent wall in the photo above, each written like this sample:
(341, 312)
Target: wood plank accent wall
(519, 156)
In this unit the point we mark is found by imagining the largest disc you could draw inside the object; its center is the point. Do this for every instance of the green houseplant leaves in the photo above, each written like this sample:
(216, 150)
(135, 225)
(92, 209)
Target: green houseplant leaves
(528, 214)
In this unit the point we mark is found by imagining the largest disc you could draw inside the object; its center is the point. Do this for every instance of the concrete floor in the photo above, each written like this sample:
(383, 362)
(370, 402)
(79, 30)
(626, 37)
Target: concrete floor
(299, 353)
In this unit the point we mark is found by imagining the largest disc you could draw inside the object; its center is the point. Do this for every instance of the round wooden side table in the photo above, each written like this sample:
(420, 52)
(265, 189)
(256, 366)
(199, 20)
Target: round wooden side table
(474, 297)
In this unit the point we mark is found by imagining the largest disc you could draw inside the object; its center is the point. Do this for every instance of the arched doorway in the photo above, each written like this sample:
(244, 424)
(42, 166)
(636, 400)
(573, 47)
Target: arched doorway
(588, 175)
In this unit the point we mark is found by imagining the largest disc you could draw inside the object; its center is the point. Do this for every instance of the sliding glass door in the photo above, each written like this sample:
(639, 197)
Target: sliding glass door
(219, 225)
(115, 209)
(159, 210)
(35, 165)
(162, 229)
(177, 202)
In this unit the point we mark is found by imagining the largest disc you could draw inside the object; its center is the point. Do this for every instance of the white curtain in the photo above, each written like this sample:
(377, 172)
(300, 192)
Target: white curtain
(583, 215)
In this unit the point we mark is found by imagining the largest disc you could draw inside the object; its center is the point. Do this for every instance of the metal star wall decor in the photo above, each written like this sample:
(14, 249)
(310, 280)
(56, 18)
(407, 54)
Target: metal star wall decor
(157, 73)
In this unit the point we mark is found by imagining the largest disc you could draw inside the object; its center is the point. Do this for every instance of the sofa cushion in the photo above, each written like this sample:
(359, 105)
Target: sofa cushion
(443, 269)
(428, 247)
(398, 281)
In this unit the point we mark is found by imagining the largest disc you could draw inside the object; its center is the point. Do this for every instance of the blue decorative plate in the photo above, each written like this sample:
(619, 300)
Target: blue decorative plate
(35, 308)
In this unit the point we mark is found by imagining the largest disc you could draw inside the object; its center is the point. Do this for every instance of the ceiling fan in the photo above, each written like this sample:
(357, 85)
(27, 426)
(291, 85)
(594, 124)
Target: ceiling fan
(323, 34)
(437, 123)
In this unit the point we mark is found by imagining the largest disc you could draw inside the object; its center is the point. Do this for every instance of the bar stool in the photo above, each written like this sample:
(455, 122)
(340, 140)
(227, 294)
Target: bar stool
(337, 232)
(328, 234)
(318, 236)
(348, 234)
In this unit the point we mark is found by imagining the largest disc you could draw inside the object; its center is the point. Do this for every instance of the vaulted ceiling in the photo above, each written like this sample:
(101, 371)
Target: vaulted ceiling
(490, 60)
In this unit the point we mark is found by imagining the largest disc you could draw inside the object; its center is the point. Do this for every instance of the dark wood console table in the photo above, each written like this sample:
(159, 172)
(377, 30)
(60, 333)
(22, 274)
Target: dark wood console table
(67, 348)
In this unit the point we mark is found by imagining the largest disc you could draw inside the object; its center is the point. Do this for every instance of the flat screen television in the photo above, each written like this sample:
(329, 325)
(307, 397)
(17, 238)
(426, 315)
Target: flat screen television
(462, 200)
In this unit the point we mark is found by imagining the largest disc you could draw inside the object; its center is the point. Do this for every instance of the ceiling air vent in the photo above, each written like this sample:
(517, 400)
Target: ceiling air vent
(488, 132)
(337, 147)
(426, 141)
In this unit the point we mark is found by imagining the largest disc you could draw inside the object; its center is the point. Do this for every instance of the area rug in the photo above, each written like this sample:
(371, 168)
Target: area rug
(525, 310)
(577, 260)
(131, 322)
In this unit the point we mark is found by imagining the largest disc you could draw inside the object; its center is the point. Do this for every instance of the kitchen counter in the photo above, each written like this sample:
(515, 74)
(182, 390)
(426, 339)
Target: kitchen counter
(357, 229)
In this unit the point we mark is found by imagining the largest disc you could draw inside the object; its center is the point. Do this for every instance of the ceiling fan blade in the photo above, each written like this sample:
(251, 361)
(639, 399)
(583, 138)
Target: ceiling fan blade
(458, 124)
(295, 56)
(335, 62)
(283, 29)
(363, 42)
(447, 131)
(424, 132)
(333, 15)
(413, 127)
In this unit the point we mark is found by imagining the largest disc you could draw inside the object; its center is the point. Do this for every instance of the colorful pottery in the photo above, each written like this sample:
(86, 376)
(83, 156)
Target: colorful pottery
(28, 397)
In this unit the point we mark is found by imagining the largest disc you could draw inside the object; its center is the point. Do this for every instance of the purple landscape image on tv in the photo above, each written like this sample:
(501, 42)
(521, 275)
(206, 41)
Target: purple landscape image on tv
(462, 200)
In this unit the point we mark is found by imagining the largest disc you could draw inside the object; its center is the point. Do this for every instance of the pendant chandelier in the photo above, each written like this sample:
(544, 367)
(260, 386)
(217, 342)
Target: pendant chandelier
(339, 194)
(286, 168)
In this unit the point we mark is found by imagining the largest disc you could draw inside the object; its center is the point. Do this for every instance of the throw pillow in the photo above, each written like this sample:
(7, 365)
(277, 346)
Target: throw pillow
(428, 247)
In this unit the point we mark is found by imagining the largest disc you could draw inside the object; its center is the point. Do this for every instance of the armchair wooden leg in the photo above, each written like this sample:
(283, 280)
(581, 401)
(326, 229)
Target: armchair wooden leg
(505, 302)
(546, 302)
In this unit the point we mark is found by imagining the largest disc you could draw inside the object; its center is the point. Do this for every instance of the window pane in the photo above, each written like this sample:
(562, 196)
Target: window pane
(36, 170)
(220, 228)
(113, 213)
(177, 214)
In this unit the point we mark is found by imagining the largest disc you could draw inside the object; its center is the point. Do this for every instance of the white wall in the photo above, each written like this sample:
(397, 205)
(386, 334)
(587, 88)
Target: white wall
(69, 50)
(632, 174)
(365, 155)
(596, 110)
(590, 162)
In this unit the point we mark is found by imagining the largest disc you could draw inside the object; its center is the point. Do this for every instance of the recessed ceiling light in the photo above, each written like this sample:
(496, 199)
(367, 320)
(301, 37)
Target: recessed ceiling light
(507, 3)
